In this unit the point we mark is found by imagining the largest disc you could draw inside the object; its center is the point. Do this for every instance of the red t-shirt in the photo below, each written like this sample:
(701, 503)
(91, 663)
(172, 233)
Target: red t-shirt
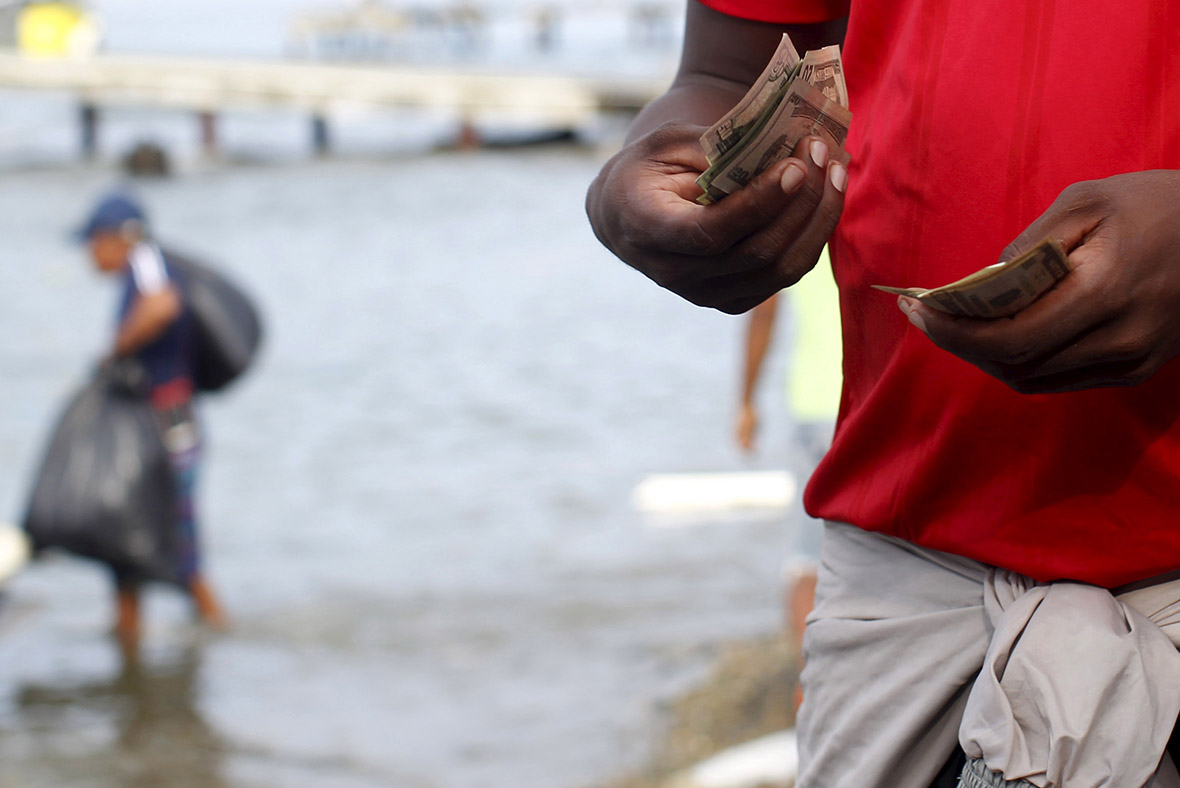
(968, 121)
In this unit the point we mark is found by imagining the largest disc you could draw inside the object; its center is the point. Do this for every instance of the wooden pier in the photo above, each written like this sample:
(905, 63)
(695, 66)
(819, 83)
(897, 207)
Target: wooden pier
(208, 87)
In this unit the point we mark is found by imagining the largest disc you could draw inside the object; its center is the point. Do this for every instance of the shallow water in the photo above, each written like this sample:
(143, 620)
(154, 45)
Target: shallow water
(416, 506)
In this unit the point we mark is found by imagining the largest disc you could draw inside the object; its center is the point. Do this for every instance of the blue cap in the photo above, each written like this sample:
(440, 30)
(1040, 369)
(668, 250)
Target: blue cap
(110, 214)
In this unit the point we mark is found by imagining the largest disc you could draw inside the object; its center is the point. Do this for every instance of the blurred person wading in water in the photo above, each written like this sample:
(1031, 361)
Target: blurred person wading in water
(155, 328)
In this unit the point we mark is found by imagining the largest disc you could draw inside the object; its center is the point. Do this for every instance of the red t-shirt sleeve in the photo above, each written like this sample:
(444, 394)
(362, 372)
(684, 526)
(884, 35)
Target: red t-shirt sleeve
(782, 11)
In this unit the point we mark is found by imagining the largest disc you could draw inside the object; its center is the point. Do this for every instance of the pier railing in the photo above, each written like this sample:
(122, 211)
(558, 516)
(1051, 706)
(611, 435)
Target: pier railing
(208, 86)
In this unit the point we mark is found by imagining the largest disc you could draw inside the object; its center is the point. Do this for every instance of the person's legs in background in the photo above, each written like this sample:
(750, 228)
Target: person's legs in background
(184, 451)
(127, 618)
(811, 440)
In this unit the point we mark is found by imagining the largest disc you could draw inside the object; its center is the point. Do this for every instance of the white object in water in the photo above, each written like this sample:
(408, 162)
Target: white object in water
(772, 759)
(14, 551)
(713, 492)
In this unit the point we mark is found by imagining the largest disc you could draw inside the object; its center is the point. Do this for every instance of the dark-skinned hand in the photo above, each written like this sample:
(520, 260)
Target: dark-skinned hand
(731, 255)
(1113, 321)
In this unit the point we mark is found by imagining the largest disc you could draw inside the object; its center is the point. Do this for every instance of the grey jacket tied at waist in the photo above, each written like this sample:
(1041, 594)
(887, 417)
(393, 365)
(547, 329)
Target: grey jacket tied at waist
(1055, 685)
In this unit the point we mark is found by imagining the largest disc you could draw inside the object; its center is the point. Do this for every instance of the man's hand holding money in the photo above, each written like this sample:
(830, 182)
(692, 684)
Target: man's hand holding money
(1113, 321)
(732, 255)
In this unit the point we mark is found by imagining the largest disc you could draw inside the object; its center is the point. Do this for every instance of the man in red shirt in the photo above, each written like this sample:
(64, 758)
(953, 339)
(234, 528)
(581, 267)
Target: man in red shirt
(1010, 454)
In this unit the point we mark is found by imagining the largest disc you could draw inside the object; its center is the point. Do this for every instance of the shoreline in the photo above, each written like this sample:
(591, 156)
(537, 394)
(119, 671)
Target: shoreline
(748, 694)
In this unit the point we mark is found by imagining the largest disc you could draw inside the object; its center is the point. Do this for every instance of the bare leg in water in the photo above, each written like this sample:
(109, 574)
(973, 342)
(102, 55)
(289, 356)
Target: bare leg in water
(127, 628)
(800, 599)
(206, 605)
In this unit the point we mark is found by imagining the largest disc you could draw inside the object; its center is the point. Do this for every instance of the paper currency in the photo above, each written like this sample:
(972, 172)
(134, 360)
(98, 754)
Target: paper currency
(824, 69)
(727, 132)
(999, 290)
(803, 110)
(792, 98)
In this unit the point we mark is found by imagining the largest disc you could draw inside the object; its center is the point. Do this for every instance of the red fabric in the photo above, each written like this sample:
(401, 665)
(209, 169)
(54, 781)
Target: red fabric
(172, 394)
(969, 119)
(794, 12)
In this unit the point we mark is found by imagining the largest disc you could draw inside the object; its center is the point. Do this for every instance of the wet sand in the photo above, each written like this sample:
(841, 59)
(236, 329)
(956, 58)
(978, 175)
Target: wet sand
(748, 694)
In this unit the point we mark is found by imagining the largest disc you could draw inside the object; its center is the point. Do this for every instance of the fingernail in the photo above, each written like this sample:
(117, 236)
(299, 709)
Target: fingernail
(793, 175)
(839, 175)
(912, 313)
(819, 152)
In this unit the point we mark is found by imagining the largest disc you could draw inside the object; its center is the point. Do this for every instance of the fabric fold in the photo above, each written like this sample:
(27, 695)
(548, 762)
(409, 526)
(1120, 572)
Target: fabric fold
(1078, 688)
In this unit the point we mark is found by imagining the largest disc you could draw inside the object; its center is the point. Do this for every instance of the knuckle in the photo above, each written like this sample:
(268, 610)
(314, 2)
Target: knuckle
(828, 212)
(763, 211)
(1128, 349)
(759, 256)
(1082, 196)
(793, 267)
(692, 239)
(1013, 350)
(809, 197)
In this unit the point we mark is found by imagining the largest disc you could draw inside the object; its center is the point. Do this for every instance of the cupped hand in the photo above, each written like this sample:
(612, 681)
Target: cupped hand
(731, 255)
(1113, 321)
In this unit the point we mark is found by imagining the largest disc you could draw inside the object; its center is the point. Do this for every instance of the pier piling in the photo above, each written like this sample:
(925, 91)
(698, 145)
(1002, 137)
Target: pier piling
(88, 117)
(208, 122)
(321, 140)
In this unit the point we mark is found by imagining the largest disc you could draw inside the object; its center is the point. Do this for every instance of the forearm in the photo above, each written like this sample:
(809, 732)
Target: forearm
(698, 100)
(148, 318)
(721, 59)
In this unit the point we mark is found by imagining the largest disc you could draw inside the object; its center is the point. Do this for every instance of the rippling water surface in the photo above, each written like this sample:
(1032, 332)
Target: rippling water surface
(417, 505)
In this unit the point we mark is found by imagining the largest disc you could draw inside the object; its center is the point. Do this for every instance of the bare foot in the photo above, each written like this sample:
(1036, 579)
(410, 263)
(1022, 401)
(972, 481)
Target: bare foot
(208, 609)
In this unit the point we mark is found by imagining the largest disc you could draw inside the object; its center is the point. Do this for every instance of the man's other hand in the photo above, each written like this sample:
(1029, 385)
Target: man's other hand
(1113, 321)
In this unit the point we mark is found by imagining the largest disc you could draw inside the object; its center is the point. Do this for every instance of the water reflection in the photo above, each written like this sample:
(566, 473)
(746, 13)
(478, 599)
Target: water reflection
(157, 735)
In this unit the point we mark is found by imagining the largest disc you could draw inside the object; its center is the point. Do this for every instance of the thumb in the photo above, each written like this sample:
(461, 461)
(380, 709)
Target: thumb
(1071, 217)
(749, 209)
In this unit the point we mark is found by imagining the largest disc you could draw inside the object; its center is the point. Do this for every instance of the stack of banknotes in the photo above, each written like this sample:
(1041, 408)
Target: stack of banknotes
(793, 98)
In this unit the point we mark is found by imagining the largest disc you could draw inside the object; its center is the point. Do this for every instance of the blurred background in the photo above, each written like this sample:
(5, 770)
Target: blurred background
(418, 505)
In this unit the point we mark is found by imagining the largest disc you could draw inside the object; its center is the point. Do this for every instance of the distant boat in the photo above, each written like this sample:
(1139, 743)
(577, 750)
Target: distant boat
(373, 30)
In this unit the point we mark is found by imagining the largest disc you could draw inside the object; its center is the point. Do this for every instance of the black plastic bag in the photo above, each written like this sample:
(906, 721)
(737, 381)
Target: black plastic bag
(228, 329)
(105, 489)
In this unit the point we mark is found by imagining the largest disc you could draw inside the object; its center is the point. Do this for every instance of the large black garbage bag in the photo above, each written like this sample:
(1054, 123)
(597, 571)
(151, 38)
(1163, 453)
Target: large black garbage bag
(228, 327)
(105, 489)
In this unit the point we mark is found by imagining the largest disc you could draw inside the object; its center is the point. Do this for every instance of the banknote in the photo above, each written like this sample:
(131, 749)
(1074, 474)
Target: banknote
(771, 85)
(792, 98)
(998, 290)
(802, 111)
(824, 69)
